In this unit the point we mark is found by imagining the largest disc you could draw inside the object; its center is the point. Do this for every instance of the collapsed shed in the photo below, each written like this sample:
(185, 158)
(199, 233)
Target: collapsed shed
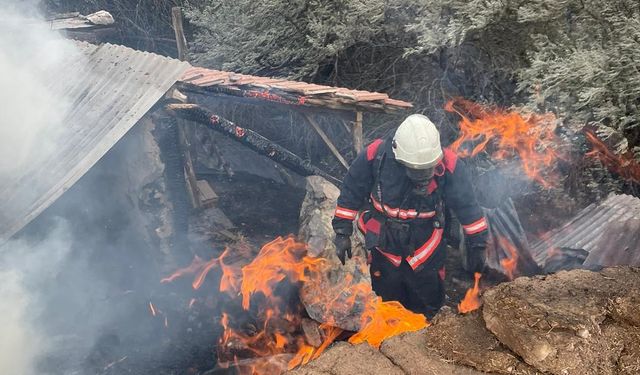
(113, 91)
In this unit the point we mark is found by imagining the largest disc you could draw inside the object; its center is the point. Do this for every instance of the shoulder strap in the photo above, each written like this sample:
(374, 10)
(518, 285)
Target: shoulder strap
(372, 149)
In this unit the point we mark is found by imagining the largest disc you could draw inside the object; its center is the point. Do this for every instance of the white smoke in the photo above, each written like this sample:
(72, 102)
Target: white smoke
(30, 119)
(18, 343)
(31, 109)
(25, 268)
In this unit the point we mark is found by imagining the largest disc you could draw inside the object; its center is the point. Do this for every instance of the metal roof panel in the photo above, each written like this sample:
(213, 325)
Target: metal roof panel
(109, 88)
(601, 229)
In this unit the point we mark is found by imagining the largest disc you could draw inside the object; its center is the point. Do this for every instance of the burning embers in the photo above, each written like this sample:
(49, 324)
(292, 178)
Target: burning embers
(505, 134)
(273, 333)
(624, 165)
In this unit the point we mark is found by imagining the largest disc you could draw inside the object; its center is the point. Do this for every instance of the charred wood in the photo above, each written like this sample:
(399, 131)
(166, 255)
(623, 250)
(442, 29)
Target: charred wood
(249, 138)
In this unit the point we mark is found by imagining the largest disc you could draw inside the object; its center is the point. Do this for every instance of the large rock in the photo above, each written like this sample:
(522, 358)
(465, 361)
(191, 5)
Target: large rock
(576, 322)
(411, 352)
(316, 214)
(347, 359)
(401, 355)
(464, 339)
(328, 299)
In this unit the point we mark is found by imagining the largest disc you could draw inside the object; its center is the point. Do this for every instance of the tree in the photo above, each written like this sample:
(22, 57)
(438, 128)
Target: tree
(291, 38)
(577, 58)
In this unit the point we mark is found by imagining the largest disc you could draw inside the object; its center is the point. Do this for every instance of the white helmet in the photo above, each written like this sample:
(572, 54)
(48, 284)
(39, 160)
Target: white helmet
(416, 143)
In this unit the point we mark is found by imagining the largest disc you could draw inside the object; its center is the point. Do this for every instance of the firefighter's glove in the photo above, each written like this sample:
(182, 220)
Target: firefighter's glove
(343, 246)
(476, 257)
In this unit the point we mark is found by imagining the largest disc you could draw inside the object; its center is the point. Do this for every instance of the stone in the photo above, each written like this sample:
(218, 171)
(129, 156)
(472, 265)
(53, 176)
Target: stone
(572, 322)
(101, 17)
(347, 359)
(411, 352)
(316, 214)
(465, 340)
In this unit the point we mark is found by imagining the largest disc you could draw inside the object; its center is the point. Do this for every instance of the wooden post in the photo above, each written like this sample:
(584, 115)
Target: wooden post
(357, 132)
(189, 172)
(327, 141)
(185, 147)
(181, 40)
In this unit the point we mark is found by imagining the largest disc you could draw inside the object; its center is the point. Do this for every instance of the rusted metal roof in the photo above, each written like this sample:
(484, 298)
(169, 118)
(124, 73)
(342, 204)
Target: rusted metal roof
(108, 88)
(291, 92)
(609, 231)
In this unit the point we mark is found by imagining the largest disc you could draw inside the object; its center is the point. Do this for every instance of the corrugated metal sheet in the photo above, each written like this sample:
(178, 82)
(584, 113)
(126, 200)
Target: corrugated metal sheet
(110, 88)
(303, 93)
(605, 230)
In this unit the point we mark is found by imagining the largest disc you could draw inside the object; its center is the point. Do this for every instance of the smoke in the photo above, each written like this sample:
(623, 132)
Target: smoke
(18, 344)
(24, 269)
(32, 110)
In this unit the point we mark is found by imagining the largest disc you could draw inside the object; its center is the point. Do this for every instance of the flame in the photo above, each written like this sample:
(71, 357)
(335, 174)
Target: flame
(152, 309)
(278, 342)
(471, 299)
(382, 320)
(508, 133)
(508, 264)
(200, 268)
(195, 266)
(624, 165)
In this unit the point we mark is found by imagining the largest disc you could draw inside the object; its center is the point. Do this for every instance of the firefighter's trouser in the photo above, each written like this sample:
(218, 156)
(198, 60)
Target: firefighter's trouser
(421, 291)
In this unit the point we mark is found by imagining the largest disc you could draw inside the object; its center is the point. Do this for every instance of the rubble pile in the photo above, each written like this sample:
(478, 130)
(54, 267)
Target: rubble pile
(573, 322)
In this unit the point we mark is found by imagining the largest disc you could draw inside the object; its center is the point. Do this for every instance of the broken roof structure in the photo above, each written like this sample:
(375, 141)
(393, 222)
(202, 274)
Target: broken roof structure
(609, 231)
(290, 92)
(111, 88)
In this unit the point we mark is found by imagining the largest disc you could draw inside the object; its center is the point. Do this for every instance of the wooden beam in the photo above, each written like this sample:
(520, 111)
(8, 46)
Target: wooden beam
(185, 147)
(189, 172)
(181, 40)
(249, 138)
(357, 132)
(327, 141)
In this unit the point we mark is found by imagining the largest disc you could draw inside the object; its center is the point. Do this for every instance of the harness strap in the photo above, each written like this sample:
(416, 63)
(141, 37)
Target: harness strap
(400, 213)
(396, 260)
(425, 251)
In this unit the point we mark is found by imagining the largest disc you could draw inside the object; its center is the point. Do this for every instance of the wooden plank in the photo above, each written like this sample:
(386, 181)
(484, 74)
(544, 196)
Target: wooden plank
(327, 141)
(346, 96)
(207, 196)
(357, 132)
(189, 171)
(185, 147)
(181, 40)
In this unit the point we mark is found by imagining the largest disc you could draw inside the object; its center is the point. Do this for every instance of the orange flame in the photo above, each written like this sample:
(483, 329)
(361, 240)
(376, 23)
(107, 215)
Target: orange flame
(530, 136)
(201, 269)
(382, 320)
(279, 343)
(152, 309)
(508, 264)
(196, 265)
(624, 165)
(471, 299)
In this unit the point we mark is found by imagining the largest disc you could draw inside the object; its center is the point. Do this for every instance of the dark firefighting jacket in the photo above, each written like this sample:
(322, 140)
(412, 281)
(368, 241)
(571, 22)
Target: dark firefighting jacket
(387, 204)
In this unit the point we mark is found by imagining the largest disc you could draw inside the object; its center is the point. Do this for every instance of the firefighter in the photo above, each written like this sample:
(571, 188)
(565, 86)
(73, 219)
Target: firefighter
(404, 183)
